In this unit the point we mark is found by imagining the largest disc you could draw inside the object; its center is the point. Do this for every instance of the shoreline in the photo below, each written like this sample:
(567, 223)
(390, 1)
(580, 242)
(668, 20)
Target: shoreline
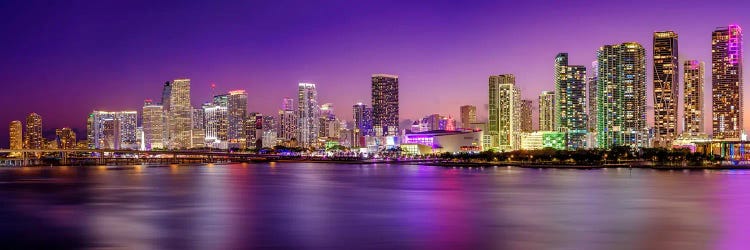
(632, 165)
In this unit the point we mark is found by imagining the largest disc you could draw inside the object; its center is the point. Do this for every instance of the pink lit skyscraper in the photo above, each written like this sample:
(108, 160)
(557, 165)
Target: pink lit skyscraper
(726, 82)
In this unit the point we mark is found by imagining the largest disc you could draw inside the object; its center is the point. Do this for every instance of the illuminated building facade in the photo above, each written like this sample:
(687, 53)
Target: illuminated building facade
(385, 113)
(621, 96)
(468, 115)
(504, 124)
(526, 116)
(236, 115)
(180, 114)
(307, 115)
(153, 125)
(34, 138)
(16, 137)
(216, 125)
(666, 79)
(362, 116)
(66, 138)
(570, 99)
(115, 130)
(591, 94)
(547, 111)
(693, 78)
(726, 82)
(287, 121)
(447, 141)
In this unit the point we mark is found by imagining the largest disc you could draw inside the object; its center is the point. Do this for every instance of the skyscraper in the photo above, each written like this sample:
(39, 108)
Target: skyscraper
(153, 125)
(216, 125)
(34, 138)
(694, 73)
(268, 132)
(468, 115)
(547, 111)
(198, 137)
(726, 81)
(307, 114)
(621, 96)
(385, 114)
(115, 130)
(287, 120)
(591, 93)
(504, 119)
(328, 124)
(180, 114)
(16, 137)
(66, 138)
(166, 92)
(362, 116)
(570, 97)
(666, 79)
(526, 119)
(237, 114)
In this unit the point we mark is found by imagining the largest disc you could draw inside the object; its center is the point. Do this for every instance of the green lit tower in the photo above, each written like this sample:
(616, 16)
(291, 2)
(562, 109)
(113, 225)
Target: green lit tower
(621, 96)
(570, 97)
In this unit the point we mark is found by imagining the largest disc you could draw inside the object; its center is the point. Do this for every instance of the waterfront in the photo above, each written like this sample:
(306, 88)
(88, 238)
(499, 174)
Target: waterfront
(373, 206)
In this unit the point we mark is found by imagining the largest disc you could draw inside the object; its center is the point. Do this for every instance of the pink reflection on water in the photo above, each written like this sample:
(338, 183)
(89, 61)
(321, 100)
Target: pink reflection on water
(733, 209)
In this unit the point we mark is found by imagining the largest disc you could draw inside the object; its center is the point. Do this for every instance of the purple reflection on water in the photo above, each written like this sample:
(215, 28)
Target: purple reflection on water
(327, 206)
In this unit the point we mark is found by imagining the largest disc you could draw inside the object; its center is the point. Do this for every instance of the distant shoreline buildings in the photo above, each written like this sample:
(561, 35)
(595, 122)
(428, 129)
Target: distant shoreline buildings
(603, 106)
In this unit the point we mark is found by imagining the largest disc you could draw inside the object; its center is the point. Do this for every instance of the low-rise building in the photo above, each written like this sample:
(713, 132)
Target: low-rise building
(447, 141)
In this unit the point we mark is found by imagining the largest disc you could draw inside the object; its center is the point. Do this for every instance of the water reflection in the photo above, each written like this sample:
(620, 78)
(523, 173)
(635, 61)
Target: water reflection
(290, 205)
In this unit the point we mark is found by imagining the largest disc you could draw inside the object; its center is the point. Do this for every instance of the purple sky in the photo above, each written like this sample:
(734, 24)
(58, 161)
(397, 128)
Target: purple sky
(63, 59)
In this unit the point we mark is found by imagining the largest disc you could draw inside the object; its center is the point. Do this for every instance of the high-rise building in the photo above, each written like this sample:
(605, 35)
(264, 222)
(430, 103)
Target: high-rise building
(526, 116)
(362, 117)
(328, 124)
(287, 121)
(115, 130)
(237, 114)
(180, 115)
(547, 111)
(199, 129)
(621, 96)
(199, 119)
(66, 138)
(385, 114)
(666, 81)
(34, 138)
(153, 125)
(726, 82)
(468, 115)
(307, 115)
(694, 73)
(221, 100)
(166, 92)
(90, 131)
(504, 124)
(216, 125)
(591, 93)
(268, 132)
(16, 137)
(570, 100)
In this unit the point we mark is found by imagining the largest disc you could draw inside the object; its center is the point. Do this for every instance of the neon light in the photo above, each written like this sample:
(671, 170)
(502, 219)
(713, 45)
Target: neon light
(734, 43)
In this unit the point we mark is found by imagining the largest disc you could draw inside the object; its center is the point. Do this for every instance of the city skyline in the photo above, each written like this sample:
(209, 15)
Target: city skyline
(131, 80)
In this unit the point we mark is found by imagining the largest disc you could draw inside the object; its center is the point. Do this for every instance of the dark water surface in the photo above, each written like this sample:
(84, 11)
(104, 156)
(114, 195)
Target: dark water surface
(329, 206)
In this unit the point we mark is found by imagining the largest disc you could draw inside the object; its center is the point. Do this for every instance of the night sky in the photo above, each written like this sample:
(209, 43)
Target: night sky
(63, 59)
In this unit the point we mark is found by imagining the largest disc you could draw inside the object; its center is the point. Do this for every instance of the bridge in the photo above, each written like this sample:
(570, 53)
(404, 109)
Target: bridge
(30, 157)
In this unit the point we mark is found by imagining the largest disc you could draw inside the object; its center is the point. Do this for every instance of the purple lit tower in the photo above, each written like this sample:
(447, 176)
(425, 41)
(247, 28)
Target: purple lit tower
(726, 82)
